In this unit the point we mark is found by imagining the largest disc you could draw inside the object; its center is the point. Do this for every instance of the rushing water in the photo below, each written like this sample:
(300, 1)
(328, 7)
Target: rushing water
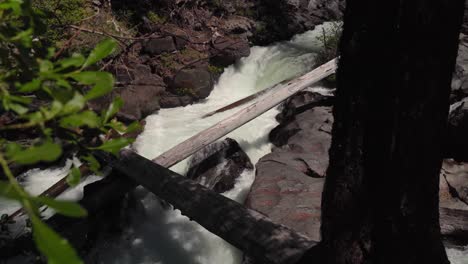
(165, 236)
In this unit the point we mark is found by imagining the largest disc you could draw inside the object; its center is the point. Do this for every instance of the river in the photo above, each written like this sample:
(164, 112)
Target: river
(165, 236)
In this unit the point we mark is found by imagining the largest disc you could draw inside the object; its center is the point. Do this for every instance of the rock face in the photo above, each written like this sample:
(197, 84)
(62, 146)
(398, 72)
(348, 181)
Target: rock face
(195, 82)
(457, 140)
(454, 185)
(460, 76)
(217, 166)
(140, 90)
(158, 46)
(281, 19)
(289, 181)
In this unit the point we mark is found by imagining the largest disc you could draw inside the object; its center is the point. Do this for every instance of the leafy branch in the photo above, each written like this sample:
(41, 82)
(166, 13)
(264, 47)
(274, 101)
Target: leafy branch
(48, 97)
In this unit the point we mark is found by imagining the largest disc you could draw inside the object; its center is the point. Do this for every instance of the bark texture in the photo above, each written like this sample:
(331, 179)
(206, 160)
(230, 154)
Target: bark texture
(379, 204)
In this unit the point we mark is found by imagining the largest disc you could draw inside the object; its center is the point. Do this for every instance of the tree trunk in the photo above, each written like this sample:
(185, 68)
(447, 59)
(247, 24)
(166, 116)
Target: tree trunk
(380, 201)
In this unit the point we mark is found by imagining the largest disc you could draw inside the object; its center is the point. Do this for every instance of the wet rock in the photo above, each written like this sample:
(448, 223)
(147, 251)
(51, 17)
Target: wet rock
(460, 76)
(287, 196)
(281, 19)
(289, 181)
(457, 140)
(197, 83)
(237, 25)
(454, 185)
(217, 166)
(226, 51)
(157, 46)
(169, 100)
(140, 99)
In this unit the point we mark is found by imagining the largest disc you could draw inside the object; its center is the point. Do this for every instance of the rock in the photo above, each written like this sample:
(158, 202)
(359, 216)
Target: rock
(289, 181)
(140, 99)
(157, 46)
(282, 19)
(454, 185)
(460, 76)
(237, 25)
(287, 196)
(197, 83)
(169, 100)
(226, 51)
(305, 130)
(181, 37)
(457, 140)
(218, 165)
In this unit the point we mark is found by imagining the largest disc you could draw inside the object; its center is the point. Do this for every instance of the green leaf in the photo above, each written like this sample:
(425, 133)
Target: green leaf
(115, 145)
(103, 82)
(7, 191)
(57, 249)
(113, 108)
(85, 118)
(74, 176)
(64, 83)
(45, 66)
(101, 88)
(54, 109)
(48, 152)
(31, 86)
(87, 77)
(14, 5)
(133, 127)
(74, 105)
(19, 109)
(92, 162)
(76, 60)
(71, 209)
(102, 50)
(117, 126)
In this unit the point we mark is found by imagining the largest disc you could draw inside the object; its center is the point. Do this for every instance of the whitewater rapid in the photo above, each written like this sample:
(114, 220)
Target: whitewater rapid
(165, 236)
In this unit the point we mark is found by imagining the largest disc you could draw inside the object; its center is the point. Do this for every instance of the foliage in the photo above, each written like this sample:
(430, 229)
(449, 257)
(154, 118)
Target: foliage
(215, 69)
(46, 97)
(57, 14)
(155, 18)
(182, 91)
(329, 40)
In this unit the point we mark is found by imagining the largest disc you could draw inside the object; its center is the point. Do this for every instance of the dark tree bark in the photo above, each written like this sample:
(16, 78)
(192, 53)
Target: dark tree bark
(380, 200)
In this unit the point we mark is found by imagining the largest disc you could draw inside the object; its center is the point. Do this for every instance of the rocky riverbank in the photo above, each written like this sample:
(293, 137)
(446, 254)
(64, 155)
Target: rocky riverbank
(180, 57)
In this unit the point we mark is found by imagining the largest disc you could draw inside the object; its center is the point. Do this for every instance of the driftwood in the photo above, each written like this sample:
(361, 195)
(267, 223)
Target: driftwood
(248, 230)
(264, 103)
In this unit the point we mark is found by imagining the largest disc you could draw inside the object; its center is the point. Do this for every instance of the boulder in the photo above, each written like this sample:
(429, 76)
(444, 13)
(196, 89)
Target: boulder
(197, 83)
(169, 100)
(226, 51)
(218, 165)
(289, 181)
(282, 19)
(157, 46)
(237, 25)
(454, 185)
(460, 76)
(287, 196)
(457, 140)
(141, 97)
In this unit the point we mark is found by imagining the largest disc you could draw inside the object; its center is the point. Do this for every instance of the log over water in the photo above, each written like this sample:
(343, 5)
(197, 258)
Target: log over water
(253, 233)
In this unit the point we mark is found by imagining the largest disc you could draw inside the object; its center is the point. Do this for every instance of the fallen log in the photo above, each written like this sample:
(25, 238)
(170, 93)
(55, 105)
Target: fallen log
(248, 230)
(264, 103)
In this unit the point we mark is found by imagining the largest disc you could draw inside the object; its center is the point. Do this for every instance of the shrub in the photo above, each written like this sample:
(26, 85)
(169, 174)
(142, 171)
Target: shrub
(329, 40)
(45, 95)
